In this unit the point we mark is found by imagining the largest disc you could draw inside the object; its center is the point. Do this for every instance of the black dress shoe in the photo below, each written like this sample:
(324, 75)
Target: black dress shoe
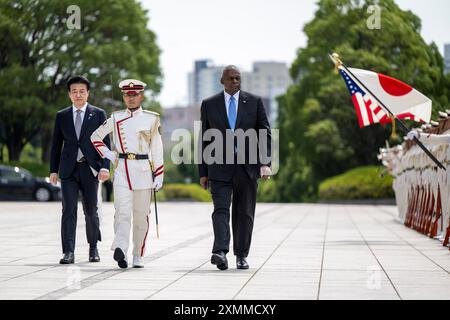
(93, 255)
(119, 256)
(68, 258)
(220, 260)
(241, 263)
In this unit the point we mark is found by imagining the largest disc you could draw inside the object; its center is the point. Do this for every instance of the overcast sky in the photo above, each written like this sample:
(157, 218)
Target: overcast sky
(257, 31)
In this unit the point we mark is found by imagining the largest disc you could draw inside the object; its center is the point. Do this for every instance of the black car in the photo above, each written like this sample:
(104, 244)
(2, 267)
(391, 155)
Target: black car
(19, 184)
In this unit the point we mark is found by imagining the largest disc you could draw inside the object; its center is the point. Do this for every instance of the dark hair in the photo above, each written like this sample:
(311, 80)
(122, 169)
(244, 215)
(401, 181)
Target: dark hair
(229, 68)
(78, 79)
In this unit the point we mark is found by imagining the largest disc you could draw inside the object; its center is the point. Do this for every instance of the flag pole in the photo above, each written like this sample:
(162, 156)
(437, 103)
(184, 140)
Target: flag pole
(337, 62)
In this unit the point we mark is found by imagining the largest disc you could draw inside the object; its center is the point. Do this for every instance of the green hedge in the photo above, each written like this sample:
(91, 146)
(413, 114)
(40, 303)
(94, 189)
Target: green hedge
(181, 192)
(184, 192)
(37, 169)
(360, 183)
(175, 191)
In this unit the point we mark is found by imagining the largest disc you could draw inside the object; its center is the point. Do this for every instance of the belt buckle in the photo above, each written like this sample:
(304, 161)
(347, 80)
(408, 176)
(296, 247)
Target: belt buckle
(131, 156)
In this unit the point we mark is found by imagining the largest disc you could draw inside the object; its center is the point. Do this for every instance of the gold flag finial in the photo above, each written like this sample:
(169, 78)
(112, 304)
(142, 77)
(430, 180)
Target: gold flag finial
(337, 62)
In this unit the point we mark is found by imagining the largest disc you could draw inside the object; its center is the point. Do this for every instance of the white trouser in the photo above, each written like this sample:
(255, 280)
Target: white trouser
(129, 203)
(445, 191)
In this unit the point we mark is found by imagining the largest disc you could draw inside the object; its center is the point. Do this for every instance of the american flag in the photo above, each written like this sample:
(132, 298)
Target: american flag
(367, 108)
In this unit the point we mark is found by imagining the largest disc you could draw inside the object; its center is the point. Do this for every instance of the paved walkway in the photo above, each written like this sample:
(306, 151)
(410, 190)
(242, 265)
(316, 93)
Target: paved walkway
(299, 251)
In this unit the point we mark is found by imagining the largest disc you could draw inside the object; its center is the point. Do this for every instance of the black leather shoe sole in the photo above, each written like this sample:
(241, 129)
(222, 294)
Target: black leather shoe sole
(120, 258)
(219, 261)
(63, 261)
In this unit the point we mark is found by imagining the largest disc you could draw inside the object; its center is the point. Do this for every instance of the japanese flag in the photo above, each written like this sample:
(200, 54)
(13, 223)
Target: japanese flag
(399, 97)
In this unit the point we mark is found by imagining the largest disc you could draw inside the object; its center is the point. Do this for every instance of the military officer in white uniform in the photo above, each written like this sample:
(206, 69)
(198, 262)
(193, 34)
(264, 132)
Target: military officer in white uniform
(440, 144)
(138, 162)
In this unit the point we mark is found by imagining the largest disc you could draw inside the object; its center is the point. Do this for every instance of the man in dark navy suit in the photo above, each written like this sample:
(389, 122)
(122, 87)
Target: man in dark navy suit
(79, 167)
(234, 112)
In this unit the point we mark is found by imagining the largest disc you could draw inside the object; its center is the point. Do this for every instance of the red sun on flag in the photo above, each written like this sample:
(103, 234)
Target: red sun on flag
(393, 86)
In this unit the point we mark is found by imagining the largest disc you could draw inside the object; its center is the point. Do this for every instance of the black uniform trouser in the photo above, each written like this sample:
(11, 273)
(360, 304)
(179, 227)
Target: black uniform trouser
(241, 192)
(82, 180)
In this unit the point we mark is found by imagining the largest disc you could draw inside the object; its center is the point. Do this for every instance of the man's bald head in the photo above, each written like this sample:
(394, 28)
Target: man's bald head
(231, 79)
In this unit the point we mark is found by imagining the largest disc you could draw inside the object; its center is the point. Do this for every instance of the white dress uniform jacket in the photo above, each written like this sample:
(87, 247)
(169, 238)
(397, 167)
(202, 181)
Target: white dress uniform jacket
(134, 133)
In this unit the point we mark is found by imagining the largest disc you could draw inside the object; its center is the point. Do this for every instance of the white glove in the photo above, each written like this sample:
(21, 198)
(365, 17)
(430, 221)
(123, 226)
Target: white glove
(158, 182)
(111, 155)
(413, 134)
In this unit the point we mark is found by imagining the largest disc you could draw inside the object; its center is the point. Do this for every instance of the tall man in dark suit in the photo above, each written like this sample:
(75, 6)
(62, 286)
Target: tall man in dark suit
(79, 166)
(233, 181)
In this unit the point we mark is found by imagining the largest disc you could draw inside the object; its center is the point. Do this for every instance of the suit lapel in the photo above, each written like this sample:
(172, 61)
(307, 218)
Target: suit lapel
(241, 107)
(222, 111)
(70, 122)
(86, 119)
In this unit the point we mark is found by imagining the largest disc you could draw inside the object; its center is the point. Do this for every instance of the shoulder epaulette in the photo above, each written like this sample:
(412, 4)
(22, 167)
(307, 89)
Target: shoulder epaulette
(152, 112)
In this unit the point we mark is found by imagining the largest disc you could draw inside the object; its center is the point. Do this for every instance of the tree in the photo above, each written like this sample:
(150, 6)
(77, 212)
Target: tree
(319, 133)
(41, 46)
